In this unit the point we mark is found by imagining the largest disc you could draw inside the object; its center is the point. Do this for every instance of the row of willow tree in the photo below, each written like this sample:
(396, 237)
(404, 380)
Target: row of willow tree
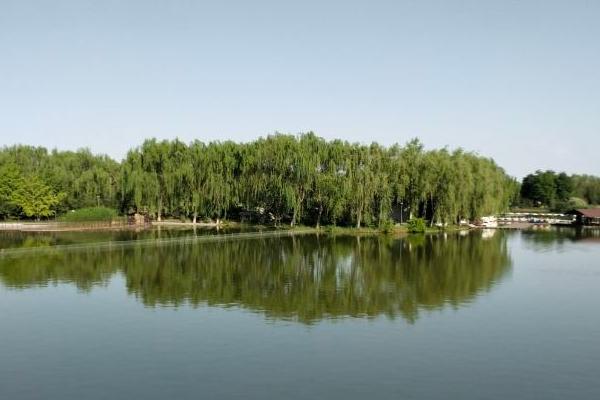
(301, 179)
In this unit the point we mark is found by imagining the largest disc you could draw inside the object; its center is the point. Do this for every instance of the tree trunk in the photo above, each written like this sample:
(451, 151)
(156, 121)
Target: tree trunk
(432, 210)
(194, 219)
(358, 219)
(158, 218)
(297, 208)
(319, 216)
(293, 219)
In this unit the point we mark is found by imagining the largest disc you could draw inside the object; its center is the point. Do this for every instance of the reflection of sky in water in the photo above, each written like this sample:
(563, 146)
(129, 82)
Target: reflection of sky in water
(305, 278)
(497, 317)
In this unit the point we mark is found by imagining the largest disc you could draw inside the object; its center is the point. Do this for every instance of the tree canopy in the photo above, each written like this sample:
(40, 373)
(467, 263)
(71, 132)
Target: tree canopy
(68, 180)
(559, 191)
(295, 179)
(586, 187)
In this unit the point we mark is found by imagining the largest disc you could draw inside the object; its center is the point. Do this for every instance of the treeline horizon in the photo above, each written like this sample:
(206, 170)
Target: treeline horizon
(280, 178)
(295, 179)
(559, 191)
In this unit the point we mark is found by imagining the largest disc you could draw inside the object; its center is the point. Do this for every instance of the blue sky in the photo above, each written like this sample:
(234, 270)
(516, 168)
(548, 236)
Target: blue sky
(518, 81)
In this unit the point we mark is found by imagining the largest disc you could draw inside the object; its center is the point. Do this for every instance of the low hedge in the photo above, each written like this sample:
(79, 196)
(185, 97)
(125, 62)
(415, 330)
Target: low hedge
(90, 214)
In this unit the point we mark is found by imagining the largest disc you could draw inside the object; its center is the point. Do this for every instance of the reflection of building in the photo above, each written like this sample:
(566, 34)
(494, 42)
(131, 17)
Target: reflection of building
(487, 233)
(587, 216)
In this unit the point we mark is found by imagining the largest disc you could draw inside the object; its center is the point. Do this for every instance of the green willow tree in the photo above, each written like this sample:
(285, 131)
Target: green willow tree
(587, 188)
(220, 182)
(301, 179)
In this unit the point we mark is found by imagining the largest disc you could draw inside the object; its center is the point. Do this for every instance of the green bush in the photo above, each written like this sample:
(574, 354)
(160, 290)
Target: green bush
(387, 226)
(573, 202)
(416, 225)
(576, 202)
(90, 214)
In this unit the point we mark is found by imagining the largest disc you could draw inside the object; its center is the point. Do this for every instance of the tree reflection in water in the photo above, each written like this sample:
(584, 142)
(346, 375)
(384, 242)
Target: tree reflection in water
(304, 278)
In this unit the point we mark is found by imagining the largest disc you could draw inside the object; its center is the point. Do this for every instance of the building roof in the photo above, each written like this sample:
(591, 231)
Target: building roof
(587, 212)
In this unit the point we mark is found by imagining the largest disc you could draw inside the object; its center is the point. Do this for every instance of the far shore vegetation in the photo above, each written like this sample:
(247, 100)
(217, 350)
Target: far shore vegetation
(89, 214)
(278, 180)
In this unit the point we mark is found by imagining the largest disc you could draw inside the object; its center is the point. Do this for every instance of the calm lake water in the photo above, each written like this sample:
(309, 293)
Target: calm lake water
(486, 315)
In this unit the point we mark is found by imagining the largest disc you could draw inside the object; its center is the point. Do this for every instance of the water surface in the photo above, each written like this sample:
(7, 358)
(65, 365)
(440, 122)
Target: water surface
(476, 316)
(24, 239)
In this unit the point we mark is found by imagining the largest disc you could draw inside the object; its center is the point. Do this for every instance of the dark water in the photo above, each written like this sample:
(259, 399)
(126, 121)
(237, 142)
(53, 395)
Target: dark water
(508, 315)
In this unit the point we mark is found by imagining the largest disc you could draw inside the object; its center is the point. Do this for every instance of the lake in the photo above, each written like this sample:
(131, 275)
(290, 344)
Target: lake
(480, 315)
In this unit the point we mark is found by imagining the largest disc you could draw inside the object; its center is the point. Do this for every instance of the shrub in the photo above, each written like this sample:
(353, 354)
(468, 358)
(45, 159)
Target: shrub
(387, 226)
(573, 202)
(90, 214)
(576, 202)
(416, 225)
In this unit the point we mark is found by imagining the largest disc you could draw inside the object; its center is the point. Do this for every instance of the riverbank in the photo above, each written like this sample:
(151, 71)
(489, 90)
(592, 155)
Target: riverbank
(54, 226)
(398, 229)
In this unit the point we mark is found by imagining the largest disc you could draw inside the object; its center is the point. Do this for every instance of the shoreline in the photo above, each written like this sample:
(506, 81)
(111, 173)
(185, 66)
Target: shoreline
(57, 226)
(64, 227)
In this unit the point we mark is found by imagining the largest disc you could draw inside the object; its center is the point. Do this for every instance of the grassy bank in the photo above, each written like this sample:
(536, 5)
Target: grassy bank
(396, 229)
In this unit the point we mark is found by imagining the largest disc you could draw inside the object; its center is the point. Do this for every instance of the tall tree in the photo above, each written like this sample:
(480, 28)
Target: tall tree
(10, 178)
(35, 198)
(284, 178)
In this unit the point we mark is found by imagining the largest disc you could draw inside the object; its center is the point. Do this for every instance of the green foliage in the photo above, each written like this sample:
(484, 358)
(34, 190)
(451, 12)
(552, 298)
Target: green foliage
(84, 178)
(572, 203)
(387, 226)
(576, 202)
(301, 179)
(34, 198)
(417, 225)
(546, 188)
(587, 187)
(558, 191)
(90, 214)
(10, 179)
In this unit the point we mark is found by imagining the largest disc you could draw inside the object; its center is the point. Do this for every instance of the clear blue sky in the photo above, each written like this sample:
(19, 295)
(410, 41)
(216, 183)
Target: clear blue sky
(518, 81)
